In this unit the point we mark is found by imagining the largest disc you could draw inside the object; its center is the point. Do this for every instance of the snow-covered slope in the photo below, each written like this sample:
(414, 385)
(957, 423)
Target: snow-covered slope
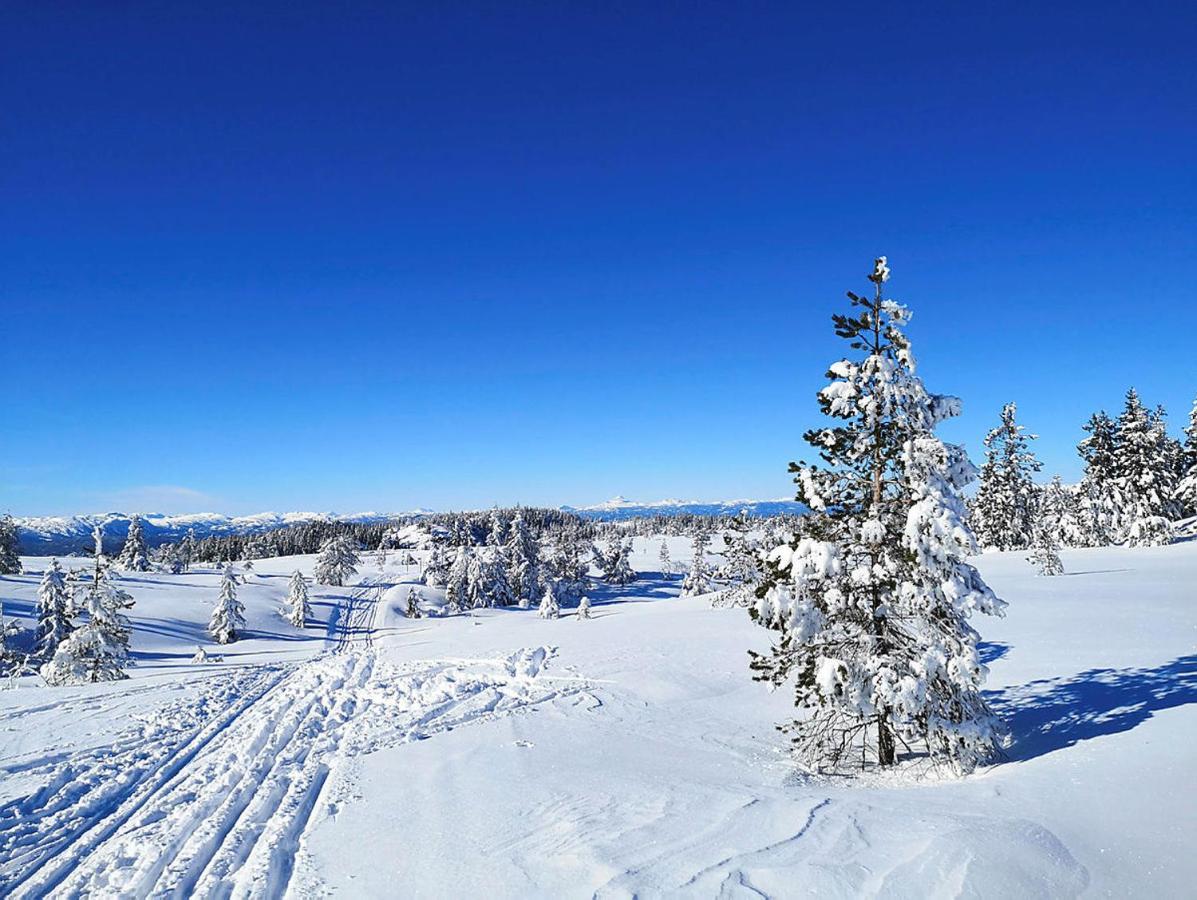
(64, 535)
(503, 755)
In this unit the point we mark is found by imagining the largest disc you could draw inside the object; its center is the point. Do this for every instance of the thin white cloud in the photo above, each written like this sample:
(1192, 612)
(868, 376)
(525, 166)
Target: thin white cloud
(170, 499)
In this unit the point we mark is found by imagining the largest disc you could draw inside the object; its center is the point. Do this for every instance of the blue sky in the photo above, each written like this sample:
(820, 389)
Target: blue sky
(546, 253)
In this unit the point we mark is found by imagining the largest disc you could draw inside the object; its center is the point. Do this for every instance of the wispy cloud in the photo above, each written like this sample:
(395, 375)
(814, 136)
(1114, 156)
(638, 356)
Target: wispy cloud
(156, 498)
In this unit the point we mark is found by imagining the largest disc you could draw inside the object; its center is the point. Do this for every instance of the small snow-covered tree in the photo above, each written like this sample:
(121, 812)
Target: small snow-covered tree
(617, 567)
(496, 532)
(698, 579)
(337, 562)
(549, 607)
(413, 603)
(1059, 514)
(97, 650)
(872, 595)
(1045, 555)
(1098, 490)
(10, 561)
(187, 549)
(298, 602)
(666, 562)
(1143, 475)
(570, 566)
(134, 557)
(495, 589)
(523, 554)
(55, 610)
(584, 608)
(229, 614)
(1004, 510)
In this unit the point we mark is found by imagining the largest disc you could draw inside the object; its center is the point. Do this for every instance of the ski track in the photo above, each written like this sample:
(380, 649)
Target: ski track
(211, 798)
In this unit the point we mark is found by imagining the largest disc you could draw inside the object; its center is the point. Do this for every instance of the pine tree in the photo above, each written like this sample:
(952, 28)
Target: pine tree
(97, 650)
(666, 562)
(1059, 514)
(523, 553)
(698, 579)
(1045, 554)
(872, 595)
(229, 614)
(55, 609)
(570, 566)
(298, 601)
(1143, 476)
(436, 569)
(584, 608)
(1099, 497)
(413, 603)
(741, 570)
(1005, 505)
(549, 607)
(187, 549)
(337, 562)
(10, 561)
(617, 567)
(134, 557)
(496, 582)
(496, 534)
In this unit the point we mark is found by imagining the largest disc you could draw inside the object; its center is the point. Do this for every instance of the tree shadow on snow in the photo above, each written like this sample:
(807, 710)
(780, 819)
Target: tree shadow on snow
(1053, 713)
(992, 651)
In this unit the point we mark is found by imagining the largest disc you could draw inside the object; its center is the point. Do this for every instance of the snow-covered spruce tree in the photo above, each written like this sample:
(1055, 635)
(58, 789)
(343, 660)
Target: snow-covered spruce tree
(1004, 510)
(570, 566)
(55, 609)
(10, 561)
(436, 569)
(496, 531)
(698, 579)
(741, 569)
(457, 583)
(1144, 478)
(413, 603)
(496, 578)
(229, 615)
(584, 608)
(187, 549)
(617, 568)
(134, 556)
(549, 607)
(299, 604)
(1059, 514)
(97, 650)
(1099, 496)
(523, 554)
(872, 596)
(337, 562)
(666, 562)
(1187, 489)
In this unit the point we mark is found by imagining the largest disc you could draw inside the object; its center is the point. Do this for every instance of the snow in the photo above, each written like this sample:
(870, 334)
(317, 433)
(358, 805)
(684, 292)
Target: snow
(504, 755)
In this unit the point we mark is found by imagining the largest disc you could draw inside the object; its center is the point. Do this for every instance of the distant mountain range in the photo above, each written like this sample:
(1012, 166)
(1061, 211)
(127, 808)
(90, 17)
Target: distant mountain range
(620, 508)
(66, 535)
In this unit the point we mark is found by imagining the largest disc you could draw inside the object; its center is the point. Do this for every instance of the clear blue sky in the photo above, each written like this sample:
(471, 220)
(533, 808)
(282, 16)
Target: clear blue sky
(452, 255)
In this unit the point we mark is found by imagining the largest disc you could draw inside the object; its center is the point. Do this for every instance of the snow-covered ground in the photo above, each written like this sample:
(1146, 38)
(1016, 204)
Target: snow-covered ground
(498, 754)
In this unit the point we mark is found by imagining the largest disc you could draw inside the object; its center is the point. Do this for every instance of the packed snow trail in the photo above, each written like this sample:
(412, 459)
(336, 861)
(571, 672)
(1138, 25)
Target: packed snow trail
(212, 797)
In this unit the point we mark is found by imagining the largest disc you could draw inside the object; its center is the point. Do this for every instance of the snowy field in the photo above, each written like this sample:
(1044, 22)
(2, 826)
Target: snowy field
(501, 755)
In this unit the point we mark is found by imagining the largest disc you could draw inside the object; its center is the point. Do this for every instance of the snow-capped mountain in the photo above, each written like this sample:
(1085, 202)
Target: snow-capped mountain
(64, 535)
(622, 508)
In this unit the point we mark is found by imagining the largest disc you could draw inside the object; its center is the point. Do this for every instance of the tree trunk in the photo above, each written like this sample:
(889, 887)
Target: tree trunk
(886, 750)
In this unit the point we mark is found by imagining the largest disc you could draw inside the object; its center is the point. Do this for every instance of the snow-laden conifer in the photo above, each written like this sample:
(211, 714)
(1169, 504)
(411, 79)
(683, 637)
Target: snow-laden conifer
(584, 608)
(570, 566)
(1004, 510)
(457, 583)
(98, 649)
(55, 610)
(741, 568)
(666, 562)
(134, 557)
(1143, 475)
(228, 617)
(1098, 490)
(549, 607)
(337, 562)
(187, 549)
(1187, 489)
(1045, 552)
(436, 568)
(1059, 513)
(872, 596)
(414, 598)
(617, 566)
(523, 554)
(698, 579)
(10, 561)
(299, 604)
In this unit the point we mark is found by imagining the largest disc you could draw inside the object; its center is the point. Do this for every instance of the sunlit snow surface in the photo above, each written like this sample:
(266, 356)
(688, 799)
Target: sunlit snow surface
(503, 755)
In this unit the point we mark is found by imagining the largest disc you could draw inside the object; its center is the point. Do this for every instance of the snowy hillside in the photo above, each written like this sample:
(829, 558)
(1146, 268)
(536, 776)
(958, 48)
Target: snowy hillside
(502, 755)
(65, 535)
